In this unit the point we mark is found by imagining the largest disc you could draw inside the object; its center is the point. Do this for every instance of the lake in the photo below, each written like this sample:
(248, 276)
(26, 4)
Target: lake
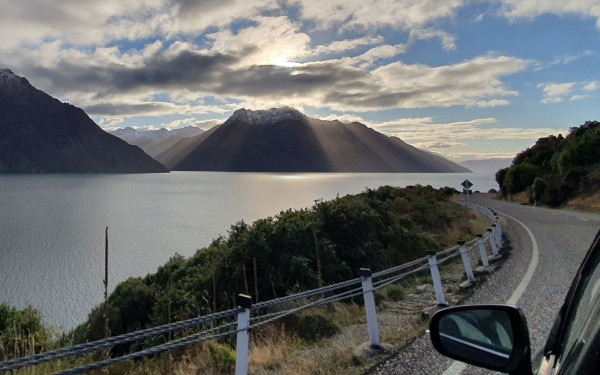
(52, 226)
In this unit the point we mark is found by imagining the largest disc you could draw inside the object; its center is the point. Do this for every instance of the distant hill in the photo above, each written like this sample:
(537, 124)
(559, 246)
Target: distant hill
(486, 165)
(155, 142)
(285, 140)
(40, 134)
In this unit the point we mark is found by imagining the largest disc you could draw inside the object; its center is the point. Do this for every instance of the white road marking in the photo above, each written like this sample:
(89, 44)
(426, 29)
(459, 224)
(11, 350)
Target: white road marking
(456, 367)
(582, 219)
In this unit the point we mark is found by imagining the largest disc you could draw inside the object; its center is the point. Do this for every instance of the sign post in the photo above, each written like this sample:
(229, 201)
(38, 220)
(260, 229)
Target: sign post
(467, 185)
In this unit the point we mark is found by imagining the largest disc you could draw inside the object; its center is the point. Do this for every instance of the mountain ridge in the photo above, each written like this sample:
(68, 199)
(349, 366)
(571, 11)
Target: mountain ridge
(285, 140)
(40, 134)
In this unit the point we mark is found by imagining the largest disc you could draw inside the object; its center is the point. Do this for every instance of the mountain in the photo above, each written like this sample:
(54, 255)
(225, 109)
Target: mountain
(155, 142)
(285, 140)
(486, 165)
(40, 134)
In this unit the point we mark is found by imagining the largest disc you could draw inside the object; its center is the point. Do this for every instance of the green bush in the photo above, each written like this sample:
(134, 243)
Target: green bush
(520, 177)
(566, 167)
(22, 332)
(221, 356)
(395, 292)
(378, 229)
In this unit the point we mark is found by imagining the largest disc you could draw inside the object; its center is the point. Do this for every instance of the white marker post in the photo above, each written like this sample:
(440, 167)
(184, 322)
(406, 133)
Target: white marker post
(435, 277)
(242, 350)
(466, 261)
(484, 259)
(373, 327)
(492, 242)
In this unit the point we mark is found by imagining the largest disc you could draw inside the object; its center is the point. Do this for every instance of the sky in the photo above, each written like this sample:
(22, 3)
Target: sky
(467, 79)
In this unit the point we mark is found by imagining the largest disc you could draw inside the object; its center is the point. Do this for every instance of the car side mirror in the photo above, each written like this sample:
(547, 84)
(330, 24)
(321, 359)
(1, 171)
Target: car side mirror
(491, 336)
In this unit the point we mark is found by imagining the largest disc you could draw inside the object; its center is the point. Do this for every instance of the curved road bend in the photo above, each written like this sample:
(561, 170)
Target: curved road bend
(562, 238)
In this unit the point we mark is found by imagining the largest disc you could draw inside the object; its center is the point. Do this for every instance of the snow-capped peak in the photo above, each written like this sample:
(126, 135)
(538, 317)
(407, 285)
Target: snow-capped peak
(11, 80)
(270, 116)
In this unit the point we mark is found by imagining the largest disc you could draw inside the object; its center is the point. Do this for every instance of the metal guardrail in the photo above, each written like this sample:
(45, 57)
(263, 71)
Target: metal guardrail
(222, 324)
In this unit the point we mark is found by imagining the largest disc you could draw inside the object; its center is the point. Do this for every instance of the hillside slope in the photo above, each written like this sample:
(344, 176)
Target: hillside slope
(40, 134)
(285, 140)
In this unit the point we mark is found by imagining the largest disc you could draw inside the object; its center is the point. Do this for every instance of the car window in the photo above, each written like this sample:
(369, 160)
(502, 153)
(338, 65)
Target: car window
(581, 343)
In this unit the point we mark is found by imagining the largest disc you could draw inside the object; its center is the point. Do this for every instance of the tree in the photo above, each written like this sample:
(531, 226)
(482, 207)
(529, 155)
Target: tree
(519, 177)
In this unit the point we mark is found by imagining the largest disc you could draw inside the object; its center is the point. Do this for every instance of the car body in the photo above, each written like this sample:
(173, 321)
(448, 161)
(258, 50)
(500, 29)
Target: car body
(496, 337)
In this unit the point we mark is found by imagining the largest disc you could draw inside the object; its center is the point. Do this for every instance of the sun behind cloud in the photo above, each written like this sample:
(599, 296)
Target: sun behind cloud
(282, 60)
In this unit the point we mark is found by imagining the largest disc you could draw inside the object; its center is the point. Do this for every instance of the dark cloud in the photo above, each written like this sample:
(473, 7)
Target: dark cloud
(186, 69)
(190, 8)
(206, 74)
(271, 80)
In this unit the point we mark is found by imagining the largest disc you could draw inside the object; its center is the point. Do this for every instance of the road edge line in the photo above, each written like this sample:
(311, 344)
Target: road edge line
(457, 367)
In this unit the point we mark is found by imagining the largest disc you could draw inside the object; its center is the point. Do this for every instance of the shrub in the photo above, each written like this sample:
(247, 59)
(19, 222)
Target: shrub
(395, 292)
(221, 356)
(311, 327)
(22, 332)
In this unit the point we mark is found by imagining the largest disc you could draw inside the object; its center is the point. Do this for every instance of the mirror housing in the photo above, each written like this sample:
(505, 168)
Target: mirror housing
(494, 337)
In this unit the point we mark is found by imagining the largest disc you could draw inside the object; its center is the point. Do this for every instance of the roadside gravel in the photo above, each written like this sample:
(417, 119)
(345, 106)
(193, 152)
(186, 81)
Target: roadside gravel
(562, 238)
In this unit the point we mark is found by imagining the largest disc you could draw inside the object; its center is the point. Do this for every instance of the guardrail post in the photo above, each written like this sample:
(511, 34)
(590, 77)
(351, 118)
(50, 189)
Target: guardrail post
(498, 233)
(241, 351)
(466, 261)
(435, 277)
(367, 287)
(492, 242)
(497, 237)
(484, 258)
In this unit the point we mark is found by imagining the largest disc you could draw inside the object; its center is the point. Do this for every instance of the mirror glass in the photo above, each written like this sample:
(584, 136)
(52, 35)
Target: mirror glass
(484, 335)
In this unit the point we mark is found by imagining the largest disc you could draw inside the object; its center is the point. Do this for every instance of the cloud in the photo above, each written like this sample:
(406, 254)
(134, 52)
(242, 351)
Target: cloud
(578, 97)
(83, 23)
(591, 86)
(423, 131)
(110, 122)
(448, 41)
(480, 155)
(380, 52)
(268, 39)
(466, 83)
(89, 23)
(438, 144)
(556, 92)
(515, 9)
(76, 22)
(351, 14)
(108, 82)
(340, 46)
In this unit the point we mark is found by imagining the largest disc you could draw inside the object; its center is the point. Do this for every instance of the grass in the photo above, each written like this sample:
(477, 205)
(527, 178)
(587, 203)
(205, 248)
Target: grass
(589, 203)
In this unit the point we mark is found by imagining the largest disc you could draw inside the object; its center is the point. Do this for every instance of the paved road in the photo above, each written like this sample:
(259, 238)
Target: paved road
(560, 240)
